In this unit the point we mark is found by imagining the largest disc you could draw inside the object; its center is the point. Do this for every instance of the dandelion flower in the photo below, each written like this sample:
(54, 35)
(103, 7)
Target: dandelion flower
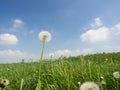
(116, 74)
(44, 36)
(5, 82)
(89, 86)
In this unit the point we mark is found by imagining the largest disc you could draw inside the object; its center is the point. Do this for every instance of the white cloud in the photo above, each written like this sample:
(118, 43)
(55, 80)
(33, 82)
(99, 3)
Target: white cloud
(7, 38)
(116, 29)
(97, 22)
(86, 51)
(65, 52)
(17, 23)
(10, 56)
(96, 35)
(11, 53)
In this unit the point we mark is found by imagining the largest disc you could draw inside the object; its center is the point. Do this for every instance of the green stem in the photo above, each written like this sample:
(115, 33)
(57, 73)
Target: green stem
(101, 88)
(22, 80)
(40, 67)
(82, 67)
(89, 63)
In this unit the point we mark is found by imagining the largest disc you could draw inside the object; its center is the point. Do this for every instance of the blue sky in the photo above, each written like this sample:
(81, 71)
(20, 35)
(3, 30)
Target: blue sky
(77, 27)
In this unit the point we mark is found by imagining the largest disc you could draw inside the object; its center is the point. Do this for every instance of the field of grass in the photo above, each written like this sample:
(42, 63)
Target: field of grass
(64, 73)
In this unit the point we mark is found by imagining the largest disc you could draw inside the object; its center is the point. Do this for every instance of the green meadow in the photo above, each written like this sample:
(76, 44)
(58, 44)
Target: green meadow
(64, 73)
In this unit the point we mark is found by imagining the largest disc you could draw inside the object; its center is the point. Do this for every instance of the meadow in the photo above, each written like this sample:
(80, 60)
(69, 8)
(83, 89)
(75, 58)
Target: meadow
(64, 73)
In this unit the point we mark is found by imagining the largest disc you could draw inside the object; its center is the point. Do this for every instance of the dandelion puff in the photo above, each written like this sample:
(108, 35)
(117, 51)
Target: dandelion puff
(44, 36)
(51, 55)
(89, 86)
(5, 82)
(116, 74)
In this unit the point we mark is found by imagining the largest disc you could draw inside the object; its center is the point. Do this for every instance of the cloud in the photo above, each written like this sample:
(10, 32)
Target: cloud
(97, 22)
(116, 29)
(86, 51)
(17, 23)
(7, 38)
(99, 32)
(96, 35)
(65, 52)
(9, 55)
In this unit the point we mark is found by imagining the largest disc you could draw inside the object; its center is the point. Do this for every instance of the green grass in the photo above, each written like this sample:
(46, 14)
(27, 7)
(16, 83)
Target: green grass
(64, 73)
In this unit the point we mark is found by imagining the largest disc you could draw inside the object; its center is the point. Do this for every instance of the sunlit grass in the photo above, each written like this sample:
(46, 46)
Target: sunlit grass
(64, 73)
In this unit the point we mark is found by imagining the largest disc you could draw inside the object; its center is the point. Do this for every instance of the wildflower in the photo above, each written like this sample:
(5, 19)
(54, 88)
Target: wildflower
(116, 74)
(89, 86)
(5, 82)
(51, 55)
(102, 81)
(44, 36)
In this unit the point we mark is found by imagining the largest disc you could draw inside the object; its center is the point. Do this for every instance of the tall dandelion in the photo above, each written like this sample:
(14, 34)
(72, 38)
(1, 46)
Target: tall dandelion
(89, 86)
(44, 36)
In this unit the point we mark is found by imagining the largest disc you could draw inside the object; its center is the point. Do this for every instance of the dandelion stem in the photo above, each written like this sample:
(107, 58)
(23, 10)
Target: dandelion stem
(40, 67)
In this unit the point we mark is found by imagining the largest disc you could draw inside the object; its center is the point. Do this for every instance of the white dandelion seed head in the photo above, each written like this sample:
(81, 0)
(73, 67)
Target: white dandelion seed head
(44, 36)
(51, 55)
(89, 86)
(116, 74)
(5, 82)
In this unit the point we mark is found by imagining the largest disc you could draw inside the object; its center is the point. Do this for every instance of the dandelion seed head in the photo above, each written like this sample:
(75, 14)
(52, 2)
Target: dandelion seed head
(89, 86)
(116, 74)
(44, 36)
(5, 82)
(51, 55)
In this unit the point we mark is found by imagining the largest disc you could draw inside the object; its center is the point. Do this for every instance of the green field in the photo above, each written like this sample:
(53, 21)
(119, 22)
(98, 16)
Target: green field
(64, 73)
